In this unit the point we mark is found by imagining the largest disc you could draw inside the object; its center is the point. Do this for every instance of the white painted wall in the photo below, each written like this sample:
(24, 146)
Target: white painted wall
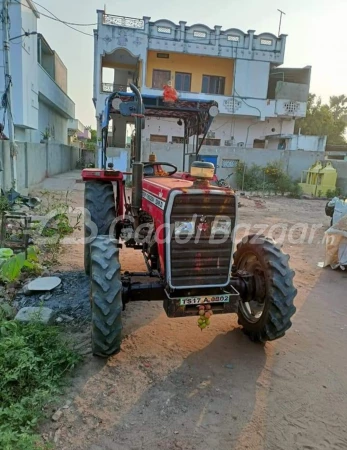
(300, 142)
(251, 79)
(49, 118)
(293, 161)
(308, 143)
(225, 129)
(30, 81)
(24, 66)
(118, 156)
(35, 162)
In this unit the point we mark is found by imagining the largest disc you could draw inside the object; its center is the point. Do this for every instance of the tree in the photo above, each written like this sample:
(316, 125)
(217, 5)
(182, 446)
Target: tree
(322, 119)
(91, 143)
(338, 106)
(94, 136)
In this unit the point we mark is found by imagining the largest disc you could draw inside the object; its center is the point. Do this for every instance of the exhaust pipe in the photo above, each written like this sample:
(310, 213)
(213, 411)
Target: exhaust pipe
(137, 167)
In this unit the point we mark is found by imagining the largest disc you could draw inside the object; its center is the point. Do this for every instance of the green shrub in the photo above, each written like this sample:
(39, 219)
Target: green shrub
(33, 361)
(271, 179)
(250, 178)
(333, 193)
(295, 191)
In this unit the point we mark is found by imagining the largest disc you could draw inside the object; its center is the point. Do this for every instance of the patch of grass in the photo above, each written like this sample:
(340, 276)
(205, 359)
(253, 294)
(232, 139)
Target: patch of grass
(33, 361)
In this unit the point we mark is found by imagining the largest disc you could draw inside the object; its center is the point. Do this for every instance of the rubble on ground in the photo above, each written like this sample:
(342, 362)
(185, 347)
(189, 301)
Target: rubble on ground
(36, 314)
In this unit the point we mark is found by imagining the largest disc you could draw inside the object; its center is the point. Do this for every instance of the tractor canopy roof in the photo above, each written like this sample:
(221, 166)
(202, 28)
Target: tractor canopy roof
(195, 114)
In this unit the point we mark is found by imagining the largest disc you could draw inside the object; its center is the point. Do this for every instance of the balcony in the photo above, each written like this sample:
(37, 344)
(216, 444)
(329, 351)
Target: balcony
(108, 88)
(75, 127)
(243, 107)
(51, 94)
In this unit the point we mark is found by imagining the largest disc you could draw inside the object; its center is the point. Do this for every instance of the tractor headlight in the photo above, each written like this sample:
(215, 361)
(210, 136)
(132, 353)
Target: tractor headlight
(184, 228)
(202, 170)
(221, 225)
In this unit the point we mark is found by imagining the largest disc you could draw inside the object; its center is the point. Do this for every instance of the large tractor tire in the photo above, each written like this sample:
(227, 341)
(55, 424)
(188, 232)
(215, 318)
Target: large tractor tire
(265, 314)
(99, 201)
(106, 297)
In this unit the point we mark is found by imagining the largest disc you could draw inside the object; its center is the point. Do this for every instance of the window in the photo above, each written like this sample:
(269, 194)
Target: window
(183, 81)
(165, 30)
(258, 143)
(199, 34)
(229, 163)
(158, 138)
(178, 140)
(163, 55)
(232, 37)
(266, 41)
(213, 85)
(160, 78)
(213, 142)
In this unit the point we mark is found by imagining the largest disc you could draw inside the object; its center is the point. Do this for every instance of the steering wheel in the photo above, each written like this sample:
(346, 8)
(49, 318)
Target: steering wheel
(152, 164)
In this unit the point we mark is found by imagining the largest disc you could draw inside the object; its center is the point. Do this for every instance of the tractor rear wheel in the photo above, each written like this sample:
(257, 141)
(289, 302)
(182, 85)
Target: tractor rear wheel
(265, 314)
(106, 297)
(99, 201)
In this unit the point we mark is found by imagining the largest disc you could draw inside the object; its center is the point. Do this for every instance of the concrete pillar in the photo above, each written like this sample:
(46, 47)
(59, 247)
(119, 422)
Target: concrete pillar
(183, 30)
(119, 131)
(251, 37)
(146, 21)
(283, 38)
(97, 68)
(120, 77)
(144, 60)
(217, 30)
(100, 13)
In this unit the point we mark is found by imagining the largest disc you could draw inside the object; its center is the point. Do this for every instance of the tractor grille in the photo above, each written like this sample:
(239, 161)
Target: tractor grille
(204, 258)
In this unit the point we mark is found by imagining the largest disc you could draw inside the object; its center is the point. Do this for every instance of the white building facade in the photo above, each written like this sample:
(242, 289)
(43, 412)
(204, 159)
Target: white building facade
(241, 71)
(41, 107)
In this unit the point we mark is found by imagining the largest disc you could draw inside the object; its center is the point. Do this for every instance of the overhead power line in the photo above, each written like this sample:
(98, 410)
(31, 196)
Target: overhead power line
(64, 21)
(56, 19)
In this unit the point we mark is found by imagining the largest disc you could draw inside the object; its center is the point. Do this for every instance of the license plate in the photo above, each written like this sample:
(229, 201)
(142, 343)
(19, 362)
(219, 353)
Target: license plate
(224, 298)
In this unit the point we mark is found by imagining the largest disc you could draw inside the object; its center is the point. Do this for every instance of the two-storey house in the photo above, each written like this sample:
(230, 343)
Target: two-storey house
(258, 99)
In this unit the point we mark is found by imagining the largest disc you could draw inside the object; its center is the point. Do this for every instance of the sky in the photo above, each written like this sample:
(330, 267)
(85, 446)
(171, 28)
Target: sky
(315, 29)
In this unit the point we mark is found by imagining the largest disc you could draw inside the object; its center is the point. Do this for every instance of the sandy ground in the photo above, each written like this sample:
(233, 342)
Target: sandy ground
(175, 387)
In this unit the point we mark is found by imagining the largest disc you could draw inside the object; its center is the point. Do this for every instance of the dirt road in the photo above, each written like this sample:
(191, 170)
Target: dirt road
(175, 387)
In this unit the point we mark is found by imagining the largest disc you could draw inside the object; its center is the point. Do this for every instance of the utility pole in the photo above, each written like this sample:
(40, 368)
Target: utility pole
(279, 27)
(8, 87)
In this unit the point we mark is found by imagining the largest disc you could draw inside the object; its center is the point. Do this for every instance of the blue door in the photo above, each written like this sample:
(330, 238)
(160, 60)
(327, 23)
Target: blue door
(209, 158)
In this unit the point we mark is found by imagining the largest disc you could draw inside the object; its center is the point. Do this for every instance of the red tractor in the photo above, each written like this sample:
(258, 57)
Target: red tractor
(184, 225)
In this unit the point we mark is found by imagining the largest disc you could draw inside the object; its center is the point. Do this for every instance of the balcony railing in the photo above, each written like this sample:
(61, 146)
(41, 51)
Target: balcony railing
(110, 87)
(126, 22)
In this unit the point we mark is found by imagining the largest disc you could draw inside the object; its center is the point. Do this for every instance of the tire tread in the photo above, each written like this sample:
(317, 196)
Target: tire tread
(281, 292)
(106, 296)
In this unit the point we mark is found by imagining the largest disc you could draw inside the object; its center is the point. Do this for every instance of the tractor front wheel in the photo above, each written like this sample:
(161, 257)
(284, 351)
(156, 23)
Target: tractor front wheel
(106, 296)
(265, 314)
